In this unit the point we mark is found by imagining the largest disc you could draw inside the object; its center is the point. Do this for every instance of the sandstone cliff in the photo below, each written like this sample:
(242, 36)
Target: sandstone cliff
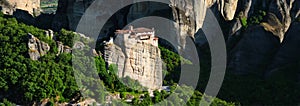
(256, 47)
(9, 6)
(137, 56)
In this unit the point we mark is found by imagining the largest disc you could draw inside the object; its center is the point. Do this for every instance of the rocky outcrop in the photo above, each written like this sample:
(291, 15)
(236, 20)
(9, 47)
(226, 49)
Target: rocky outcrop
(209, 3)
(259, 52)
(62, 48)
(245, 9)
(283, 12)
(9, 6)
(6, 7)
(39, 48)
(111, 97)
(78, 45)
(274, 25)
(280, 15)
(136, 53)
(50, 34)
(228, 8)
(36, 47)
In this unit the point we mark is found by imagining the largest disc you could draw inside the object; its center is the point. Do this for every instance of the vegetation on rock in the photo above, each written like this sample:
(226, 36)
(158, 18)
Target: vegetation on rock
(24, 81)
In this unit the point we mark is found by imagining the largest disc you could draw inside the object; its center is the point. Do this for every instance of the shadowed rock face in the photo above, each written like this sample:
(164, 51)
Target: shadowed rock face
(289, 51)
(260, 52)
(69, 13)
(188, 17)
(253, 52)
(188, 14)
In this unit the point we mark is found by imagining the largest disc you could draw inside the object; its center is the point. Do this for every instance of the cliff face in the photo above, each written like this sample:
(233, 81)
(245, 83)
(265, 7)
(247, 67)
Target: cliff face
(32, 6)
(137, 56)
(228, 8)
(257, 46)
(147, 71)
(188, 14)
(288, 52)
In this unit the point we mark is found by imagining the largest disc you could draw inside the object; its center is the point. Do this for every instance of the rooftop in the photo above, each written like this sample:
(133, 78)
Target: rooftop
(134, 30)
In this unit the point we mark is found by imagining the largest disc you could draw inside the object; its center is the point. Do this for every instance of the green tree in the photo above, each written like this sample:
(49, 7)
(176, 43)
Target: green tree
(66, 37)
(157, 96)
(135, 101)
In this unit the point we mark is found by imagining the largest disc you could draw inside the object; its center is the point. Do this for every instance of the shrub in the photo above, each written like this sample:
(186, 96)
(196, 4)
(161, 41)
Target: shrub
(257, 18)
(244, 22)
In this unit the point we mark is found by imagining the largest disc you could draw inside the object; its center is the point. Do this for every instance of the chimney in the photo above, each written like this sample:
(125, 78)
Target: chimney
(130, 27)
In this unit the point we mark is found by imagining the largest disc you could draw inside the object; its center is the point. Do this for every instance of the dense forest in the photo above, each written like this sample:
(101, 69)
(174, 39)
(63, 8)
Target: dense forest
(24, 81)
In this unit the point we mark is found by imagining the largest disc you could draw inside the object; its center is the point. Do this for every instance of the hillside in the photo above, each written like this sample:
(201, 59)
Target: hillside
(50, 79)
(261, 42)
